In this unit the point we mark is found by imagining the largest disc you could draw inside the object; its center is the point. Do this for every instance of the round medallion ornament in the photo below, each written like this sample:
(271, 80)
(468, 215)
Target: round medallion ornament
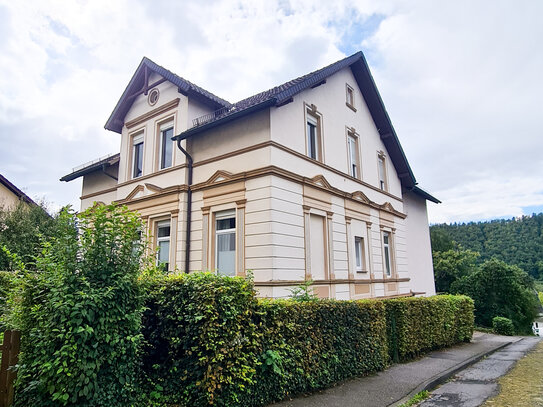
(152, 98)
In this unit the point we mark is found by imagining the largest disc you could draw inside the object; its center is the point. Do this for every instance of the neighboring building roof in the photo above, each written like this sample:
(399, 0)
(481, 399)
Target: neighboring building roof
(98, 164)
(116, 119)
(16, 191)
(282, 94)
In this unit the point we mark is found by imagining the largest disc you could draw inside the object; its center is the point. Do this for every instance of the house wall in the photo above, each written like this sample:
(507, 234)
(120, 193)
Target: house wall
(418, 245)
(288, 128)
(7, 198)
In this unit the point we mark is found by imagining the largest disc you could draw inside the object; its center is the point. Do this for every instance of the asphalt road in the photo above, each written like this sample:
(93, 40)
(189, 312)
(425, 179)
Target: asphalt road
(472, 386)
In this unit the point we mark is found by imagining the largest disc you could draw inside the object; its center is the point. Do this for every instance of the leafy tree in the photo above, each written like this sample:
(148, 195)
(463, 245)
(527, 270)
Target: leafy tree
(20, 231)
(499, 289)
(452, 265)
(441, 240)
(80, 313)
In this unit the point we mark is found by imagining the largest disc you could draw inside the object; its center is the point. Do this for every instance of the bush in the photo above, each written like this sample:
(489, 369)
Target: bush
(418, 325)
(502, 326)
(7, 284)
(80, 314)
(202, 342)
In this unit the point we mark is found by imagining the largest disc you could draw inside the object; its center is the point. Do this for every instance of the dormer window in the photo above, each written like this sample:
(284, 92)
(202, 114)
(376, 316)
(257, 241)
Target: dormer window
(166, 145)
(137, 155)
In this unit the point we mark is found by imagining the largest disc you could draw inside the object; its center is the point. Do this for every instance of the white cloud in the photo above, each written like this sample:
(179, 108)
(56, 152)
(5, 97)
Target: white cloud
(461, 81)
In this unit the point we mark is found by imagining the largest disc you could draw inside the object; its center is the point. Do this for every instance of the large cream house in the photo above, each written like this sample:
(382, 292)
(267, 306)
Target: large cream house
(304, 181)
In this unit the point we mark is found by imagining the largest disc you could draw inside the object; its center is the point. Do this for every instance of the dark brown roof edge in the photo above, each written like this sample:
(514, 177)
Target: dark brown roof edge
(20, 194)
(93, 166)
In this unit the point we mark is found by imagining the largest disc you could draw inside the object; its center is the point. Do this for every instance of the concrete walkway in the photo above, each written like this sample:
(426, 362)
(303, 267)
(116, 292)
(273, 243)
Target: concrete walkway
(402, 381)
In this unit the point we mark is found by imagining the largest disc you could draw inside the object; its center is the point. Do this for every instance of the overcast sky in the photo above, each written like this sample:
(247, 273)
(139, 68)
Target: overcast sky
(461, 80)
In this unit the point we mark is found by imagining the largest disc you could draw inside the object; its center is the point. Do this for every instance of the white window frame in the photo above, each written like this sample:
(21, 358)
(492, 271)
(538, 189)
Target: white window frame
(312, 121)
(162, 130)
(382, 171)
(352, 152)
(137, 139)
(387, 253)
(158, 240)
(359, 254)
(226, 214)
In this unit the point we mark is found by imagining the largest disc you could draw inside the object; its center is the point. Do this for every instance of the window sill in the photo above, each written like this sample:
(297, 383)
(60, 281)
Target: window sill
(361, 271)
(350, 107)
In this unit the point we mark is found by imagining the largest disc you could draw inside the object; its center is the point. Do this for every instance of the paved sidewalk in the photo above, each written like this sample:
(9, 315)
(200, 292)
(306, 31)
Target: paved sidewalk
(400, 382)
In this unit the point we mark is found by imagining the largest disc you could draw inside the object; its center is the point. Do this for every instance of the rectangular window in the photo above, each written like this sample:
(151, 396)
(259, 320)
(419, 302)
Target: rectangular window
(386, 254)
(382, 172)
(318, 246)
(137, 156)
(166, 146)
(352, 144)
(313, 137)
(225, 242)
(359, 253)
(163, 243)
(350, 96)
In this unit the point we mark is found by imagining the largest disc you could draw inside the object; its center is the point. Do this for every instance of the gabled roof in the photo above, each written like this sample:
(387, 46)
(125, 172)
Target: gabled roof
(98, 164)
(282, 94)
(16, 191)
(138, 83)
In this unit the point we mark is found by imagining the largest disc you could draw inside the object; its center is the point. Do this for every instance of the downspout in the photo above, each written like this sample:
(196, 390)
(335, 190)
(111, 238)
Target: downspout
(189, 205)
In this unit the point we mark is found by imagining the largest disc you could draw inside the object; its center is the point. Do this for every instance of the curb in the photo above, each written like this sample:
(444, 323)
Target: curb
(442, 377)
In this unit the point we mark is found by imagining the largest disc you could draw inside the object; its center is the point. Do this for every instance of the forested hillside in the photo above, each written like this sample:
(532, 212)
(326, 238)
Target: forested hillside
(514, 241)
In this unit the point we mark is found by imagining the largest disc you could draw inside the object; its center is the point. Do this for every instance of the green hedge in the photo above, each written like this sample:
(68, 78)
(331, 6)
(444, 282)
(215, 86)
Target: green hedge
(503, 326)
(418, 325)
(209, 341)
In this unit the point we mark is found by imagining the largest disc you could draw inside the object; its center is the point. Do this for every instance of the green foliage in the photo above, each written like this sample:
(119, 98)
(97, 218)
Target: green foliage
(502, 326)
(418, 325)
(319, 344)
(417, 398)
(499, 289)
(80, 313)
(540, 296)
(210, 342)
(21, 229)
(517, 241)
(202, 343)
(7, 284)
(304, 292)
(451, 265)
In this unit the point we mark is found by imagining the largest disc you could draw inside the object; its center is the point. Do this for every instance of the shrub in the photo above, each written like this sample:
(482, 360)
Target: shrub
(503, 326)
(418, 325)
(7, 284)
(316, 344)
(80, 313)
(202, 342)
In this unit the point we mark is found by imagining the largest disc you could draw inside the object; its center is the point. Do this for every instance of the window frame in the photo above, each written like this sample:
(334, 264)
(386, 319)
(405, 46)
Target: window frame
(359, 254)
(158, 239)
(162, 129)
(314, 118)
(382, 175)
(137, 140)
(219, 215)
(351, 135)
(350, 97)
(388, 272)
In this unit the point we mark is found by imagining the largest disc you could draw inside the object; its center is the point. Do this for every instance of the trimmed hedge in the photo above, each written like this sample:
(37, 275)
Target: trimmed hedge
(503, 326)
(209, 341)
(418, 325)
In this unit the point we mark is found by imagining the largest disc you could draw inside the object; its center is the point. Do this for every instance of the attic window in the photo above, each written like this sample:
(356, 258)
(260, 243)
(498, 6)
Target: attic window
(153, 96)
(349, 95)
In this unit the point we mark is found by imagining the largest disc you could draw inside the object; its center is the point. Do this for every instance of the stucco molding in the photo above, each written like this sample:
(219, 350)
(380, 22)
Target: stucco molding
(152, 113)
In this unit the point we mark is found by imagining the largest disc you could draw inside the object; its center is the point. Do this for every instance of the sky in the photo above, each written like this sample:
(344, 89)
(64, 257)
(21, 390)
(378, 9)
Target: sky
(461, 81)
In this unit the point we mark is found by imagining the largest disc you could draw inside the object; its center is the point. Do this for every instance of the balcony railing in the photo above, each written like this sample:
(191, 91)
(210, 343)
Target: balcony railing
(199, 121)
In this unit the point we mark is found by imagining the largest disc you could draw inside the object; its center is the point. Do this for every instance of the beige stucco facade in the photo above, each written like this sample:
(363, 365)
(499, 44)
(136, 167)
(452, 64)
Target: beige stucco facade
(7, 198)
(296, 217)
